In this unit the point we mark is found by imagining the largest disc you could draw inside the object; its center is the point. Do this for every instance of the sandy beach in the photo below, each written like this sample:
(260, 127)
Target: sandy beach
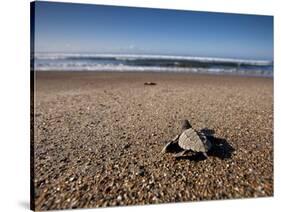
(98, 138)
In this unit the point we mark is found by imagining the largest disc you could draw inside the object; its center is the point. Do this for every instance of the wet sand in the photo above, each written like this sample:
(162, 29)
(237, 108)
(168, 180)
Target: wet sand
(98, 138)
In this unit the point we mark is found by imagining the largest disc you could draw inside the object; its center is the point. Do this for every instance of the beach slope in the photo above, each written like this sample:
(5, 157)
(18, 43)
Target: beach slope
(98, 138)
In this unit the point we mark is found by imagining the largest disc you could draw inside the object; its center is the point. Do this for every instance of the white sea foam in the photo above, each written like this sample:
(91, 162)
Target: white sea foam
(55, 56)
(125, 68)
(154, 63)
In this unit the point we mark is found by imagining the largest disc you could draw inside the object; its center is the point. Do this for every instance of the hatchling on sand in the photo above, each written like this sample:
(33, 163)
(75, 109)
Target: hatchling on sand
(189, 140)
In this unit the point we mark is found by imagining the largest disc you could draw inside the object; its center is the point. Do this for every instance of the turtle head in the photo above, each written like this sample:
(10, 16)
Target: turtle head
(186, 125)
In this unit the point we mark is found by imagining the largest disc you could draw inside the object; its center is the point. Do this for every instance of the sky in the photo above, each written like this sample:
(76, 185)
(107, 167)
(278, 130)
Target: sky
(68, 27)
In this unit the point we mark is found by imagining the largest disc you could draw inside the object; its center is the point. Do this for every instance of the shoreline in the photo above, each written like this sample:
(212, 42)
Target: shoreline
(157, 72)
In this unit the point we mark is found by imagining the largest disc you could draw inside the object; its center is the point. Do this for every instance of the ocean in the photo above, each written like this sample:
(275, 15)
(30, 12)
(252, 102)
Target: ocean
(151, 63)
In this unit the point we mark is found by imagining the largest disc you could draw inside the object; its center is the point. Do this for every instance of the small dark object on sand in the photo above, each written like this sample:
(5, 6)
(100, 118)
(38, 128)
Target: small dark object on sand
(150, 83)
(140, 171)
(189, 140)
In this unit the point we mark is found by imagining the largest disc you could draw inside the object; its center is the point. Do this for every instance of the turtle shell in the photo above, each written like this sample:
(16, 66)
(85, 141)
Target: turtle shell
(192, 140)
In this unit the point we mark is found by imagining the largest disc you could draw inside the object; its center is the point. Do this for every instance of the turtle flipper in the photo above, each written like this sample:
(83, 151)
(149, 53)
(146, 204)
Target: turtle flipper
(175, 138)
(170, 145)
(205, 154)
(180, 154)
(166, 147)
(185, 125)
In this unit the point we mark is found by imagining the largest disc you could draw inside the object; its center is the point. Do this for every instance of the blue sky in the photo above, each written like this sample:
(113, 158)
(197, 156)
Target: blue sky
(64, 27)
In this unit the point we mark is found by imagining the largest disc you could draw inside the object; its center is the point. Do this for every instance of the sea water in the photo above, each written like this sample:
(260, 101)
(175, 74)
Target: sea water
(151, 63)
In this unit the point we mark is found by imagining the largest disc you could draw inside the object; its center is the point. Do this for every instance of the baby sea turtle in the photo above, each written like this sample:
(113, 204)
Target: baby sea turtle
(189, 140)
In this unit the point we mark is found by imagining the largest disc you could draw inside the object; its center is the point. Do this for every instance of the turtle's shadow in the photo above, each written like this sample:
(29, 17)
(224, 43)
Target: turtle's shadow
(220, 148)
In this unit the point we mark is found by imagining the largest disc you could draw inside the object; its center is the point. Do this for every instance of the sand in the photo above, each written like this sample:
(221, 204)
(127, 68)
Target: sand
(98, 138)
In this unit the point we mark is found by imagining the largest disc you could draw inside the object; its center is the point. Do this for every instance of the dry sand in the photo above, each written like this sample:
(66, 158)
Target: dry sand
(98, 138)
